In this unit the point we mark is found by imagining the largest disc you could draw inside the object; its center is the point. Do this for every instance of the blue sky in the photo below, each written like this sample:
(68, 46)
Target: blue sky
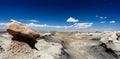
(53, 14)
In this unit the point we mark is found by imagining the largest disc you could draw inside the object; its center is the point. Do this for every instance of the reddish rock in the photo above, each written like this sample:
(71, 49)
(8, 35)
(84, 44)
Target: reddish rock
(118, 34)
(16, 28)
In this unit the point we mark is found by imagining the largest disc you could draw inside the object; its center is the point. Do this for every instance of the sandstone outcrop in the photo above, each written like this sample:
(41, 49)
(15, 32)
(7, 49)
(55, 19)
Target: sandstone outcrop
(24, 44)
(16, 28)
(22, 33)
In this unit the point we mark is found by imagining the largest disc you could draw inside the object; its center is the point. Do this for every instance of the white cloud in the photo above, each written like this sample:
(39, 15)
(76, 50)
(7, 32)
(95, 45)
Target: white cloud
(112, 21)
(76, 25)
(96, 16)
(105, 17)
(37, 26)
(71, 19)
(33, 20)
(3, 24)
(101, 17)
(45, 25)
(103, 22)
(82, 25)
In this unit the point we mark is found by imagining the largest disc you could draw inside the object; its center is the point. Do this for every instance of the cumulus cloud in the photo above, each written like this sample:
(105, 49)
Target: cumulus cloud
(112, 21)
(101, 17)
(45, 25)
(76, 25)
(82, 25)
(33, 20)
(96, 16)
(36, 26)
(103, 22)
(71, 19)
(3, 24)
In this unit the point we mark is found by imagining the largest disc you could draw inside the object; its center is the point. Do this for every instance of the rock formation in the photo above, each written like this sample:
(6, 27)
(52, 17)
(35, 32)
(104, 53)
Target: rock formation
(23, 40)
(111, 42)
(22, 33)
(24, 45)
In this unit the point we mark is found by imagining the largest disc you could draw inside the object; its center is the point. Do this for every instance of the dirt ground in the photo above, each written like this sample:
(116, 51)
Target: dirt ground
(64, 45)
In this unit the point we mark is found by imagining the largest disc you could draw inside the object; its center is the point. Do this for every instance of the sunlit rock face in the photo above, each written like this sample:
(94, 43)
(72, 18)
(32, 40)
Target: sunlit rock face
(109, 37)
(112, 42)
(16, 28)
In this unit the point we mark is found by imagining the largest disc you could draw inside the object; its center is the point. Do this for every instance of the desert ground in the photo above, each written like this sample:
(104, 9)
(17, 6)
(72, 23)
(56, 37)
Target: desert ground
(60, 45)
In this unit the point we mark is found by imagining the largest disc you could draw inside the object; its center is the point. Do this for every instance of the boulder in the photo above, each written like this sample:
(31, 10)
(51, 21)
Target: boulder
(16, 28)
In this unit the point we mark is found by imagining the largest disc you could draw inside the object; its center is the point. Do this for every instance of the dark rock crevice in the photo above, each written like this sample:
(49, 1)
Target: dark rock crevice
(109, 50)
(1, 49)
(28, 41)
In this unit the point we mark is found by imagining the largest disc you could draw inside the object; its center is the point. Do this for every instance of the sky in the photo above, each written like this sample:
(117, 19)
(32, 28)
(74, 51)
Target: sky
(62, 14)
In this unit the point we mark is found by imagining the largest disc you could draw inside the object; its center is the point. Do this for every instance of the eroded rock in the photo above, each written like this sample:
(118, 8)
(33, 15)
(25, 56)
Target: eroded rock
(24, 45)
(16, 28)
(112, 44)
